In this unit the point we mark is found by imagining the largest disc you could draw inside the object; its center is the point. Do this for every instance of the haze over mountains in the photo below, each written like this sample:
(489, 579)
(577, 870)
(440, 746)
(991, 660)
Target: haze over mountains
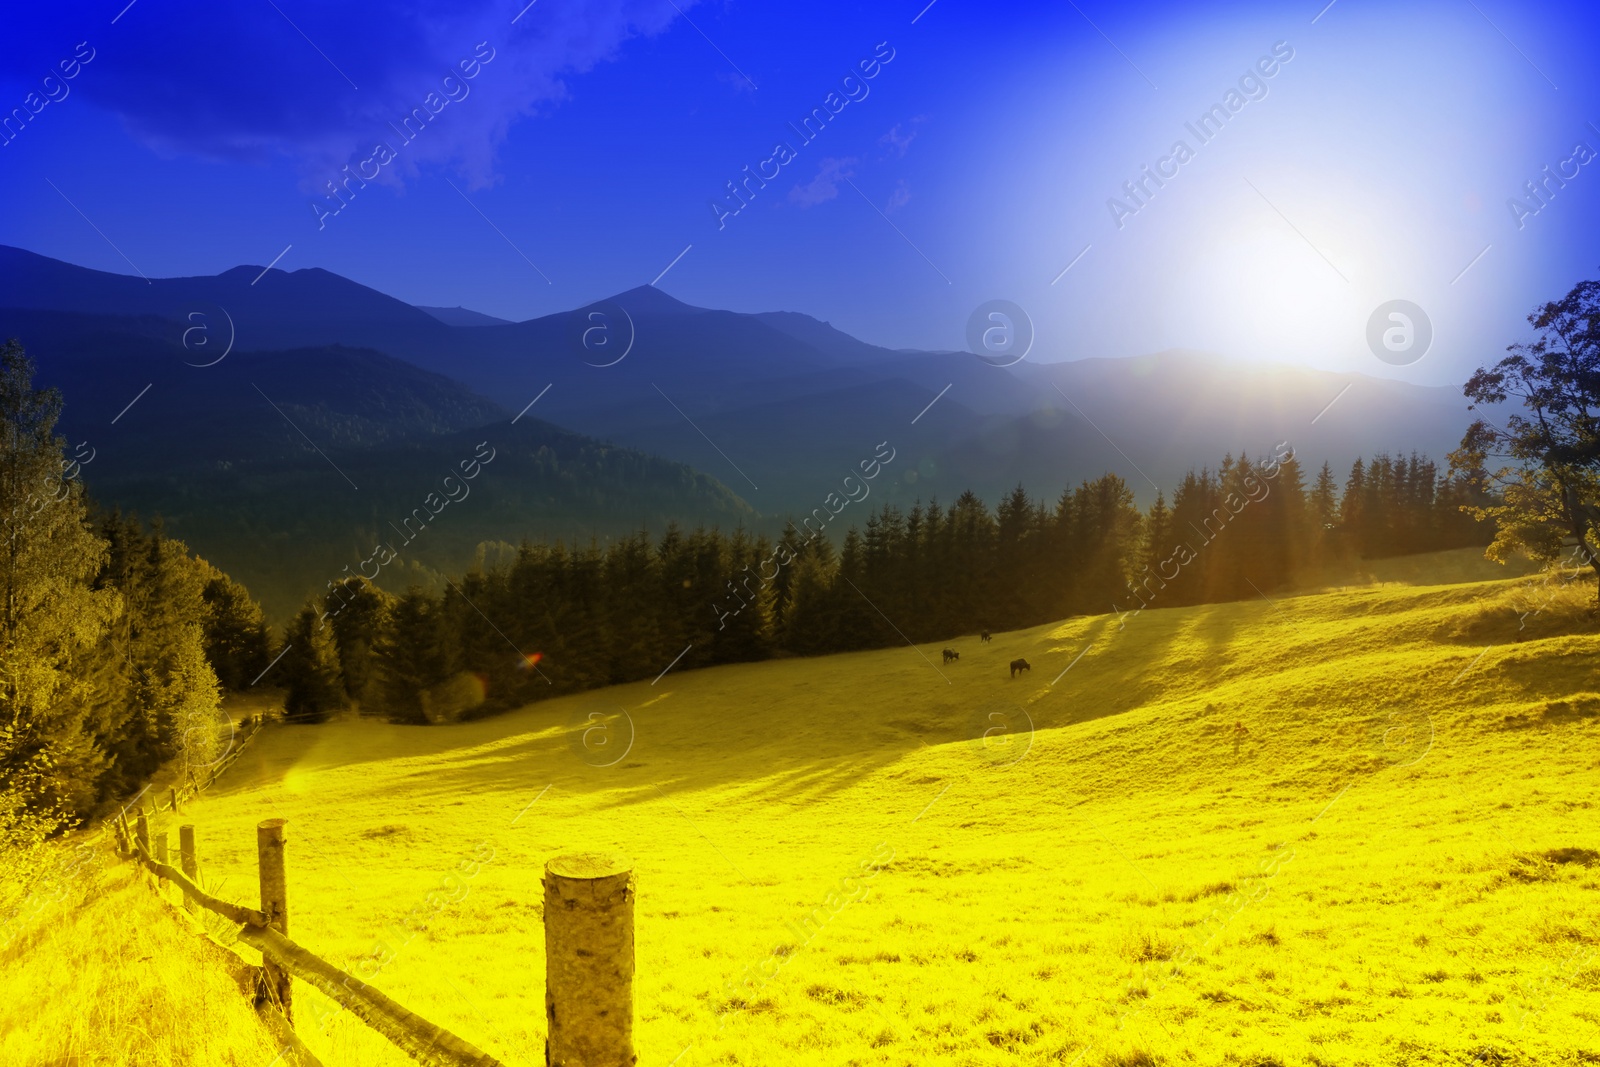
(711, 416)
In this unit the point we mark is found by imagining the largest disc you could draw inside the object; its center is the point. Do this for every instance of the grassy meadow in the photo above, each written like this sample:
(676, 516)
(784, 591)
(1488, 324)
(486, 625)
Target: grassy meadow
(1355, 827)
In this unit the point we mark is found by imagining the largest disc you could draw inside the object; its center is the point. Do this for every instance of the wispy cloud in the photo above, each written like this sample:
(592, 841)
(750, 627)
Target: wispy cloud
(191, 81)
(897, 142)
(899, 198)
(737, 82)
(825, 186)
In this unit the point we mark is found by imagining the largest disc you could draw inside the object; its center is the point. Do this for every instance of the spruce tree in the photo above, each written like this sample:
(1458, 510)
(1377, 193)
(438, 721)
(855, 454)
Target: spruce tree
(811, 622)
(357, 611)
(1108, 535)
(1013, 526)
(409, 654)
(52, 619)
(631, 589)
(236, 638)
(1353, 519)
(313, 680)
(1324, 507)
(745, 630)
(1158, 536)
(193, 706)
(176, 686)
(1286, 525)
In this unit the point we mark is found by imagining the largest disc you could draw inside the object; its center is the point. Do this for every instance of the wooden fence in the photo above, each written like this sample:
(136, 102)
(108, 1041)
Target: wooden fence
(176, 795)
(589, 956)
(196, 783)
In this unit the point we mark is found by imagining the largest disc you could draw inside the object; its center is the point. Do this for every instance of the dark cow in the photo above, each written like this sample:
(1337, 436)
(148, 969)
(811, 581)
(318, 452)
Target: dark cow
(1020, 665)
(984, 637)
(950, 654)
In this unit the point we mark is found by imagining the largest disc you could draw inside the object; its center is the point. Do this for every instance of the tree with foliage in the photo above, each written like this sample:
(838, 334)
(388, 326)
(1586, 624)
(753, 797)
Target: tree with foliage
(1106, 538)
(1352, 507)
(312, 678)
(409, 652)
(174, 688)
(744, 633)
(357, 611)
(52, 618)
(192, 703)
(1549, 453)
(157, 692)
(104, 668)
(810, 614)
(1323, 504)
(237, 642)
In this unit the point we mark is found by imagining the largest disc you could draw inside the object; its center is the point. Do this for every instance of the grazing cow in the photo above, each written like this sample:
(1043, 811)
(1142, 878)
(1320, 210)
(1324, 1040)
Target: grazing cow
(950, 654)
(984, 637)
(1019, 665)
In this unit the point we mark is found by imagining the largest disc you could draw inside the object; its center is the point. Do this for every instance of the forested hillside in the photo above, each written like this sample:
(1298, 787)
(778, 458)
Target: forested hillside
(559, 619)
(112, 636)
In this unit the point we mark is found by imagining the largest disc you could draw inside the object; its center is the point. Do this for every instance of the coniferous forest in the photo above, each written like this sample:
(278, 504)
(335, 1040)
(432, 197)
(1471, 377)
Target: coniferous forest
(559, 619)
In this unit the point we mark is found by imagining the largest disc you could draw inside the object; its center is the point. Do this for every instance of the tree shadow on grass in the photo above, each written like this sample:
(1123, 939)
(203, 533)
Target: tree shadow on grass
(794, 731)
(799, 731)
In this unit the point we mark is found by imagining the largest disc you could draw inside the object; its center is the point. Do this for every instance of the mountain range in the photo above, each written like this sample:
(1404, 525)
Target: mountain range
(281, 421)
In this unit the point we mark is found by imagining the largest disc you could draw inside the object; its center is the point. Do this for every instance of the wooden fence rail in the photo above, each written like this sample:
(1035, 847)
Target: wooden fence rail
(410, 1032)
(232, 912)
(179, 795)
(589, 956)
(282, 958)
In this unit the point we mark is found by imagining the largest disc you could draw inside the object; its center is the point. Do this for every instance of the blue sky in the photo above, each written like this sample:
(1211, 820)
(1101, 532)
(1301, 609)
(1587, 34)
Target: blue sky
(977, 163)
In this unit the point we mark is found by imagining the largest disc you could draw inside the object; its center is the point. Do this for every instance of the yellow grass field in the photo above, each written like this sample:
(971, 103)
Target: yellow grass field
(1401, 865)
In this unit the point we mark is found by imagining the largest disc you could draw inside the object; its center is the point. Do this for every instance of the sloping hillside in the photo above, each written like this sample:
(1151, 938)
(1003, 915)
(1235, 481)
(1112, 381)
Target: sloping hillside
(1400, 863)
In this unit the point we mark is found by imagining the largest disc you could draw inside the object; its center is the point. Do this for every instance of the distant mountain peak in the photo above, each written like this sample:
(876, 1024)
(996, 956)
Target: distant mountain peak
(460, 316)
(647, 299)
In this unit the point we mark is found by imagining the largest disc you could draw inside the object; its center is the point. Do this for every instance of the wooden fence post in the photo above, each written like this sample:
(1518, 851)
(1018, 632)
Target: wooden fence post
(588, 954)
(141, 833)
(188, 863)
(161, 856)
(275, 904)
(174, 800)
